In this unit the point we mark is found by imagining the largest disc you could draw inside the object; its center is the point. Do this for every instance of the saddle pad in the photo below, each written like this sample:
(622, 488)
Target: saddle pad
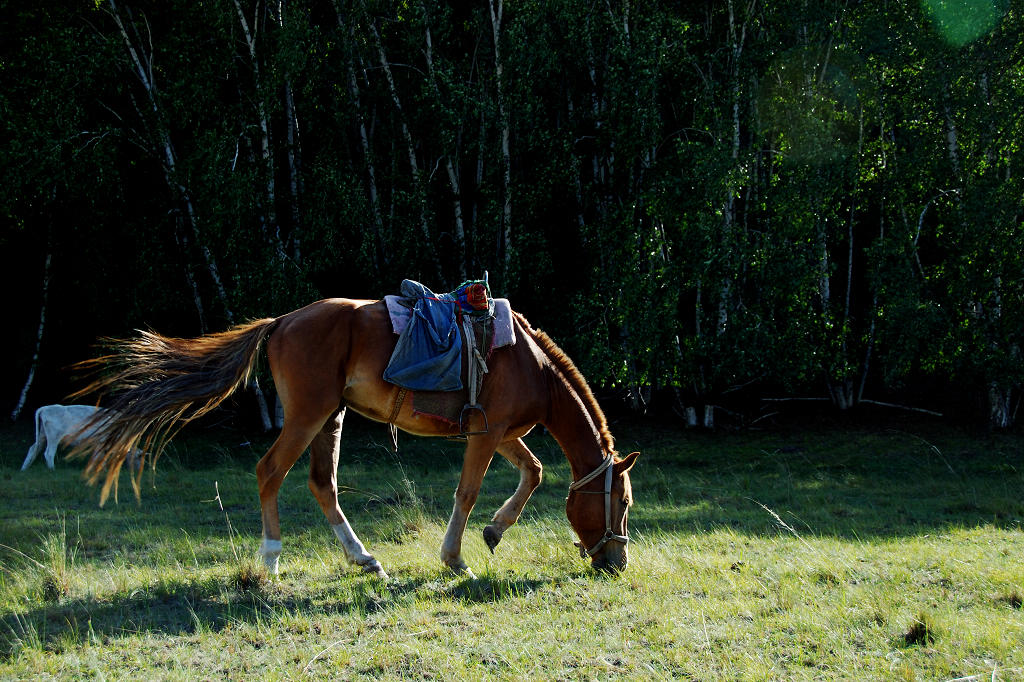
(504, 333)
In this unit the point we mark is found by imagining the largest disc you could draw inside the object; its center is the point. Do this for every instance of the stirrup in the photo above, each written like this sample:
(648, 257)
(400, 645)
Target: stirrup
(462, 420)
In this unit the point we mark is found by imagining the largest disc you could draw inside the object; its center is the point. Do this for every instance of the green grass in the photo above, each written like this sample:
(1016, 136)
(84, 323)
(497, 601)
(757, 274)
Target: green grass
(839, 553)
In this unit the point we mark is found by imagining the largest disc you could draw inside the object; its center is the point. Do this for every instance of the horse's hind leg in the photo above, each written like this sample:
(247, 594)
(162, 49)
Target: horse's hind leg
(33, 451)
(530, 470)
(323, 483)
(270, 473)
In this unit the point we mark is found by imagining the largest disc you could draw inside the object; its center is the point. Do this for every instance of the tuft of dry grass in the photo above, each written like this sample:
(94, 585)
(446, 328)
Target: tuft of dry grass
(922, 632)
(1012, 599)
(251, 577)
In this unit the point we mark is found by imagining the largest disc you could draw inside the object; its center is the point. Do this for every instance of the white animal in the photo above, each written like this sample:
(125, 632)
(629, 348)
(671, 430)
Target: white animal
(54, 424)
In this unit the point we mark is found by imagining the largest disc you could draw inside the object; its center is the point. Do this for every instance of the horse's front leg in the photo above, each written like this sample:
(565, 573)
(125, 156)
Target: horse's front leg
(479, 452)
(530, 470)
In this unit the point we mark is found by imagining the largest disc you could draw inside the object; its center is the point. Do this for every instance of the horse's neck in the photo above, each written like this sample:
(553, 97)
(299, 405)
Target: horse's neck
(575, 429)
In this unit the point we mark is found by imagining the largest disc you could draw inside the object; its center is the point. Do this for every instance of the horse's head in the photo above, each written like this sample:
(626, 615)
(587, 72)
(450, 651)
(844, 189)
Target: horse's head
(597, 508)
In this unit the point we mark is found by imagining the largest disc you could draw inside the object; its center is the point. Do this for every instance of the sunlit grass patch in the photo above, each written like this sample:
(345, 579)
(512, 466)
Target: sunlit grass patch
(748, 560)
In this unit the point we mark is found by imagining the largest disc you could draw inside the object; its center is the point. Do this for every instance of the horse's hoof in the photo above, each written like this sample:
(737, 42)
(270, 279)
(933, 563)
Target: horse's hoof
(374, 568)
(270, 551)
(462, 569)
(492, 537)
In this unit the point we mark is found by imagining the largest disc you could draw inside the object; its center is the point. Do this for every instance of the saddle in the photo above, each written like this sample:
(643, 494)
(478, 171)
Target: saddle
(435, 332)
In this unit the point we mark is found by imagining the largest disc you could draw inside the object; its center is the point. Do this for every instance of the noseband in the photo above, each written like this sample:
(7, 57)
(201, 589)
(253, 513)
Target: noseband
(606, 468)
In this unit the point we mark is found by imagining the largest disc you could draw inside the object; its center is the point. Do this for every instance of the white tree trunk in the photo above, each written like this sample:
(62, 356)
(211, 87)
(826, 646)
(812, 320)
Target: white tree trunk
(261, 405)
(999, 402)
(691, 417)
(182, 240)
(143, 67)
(378, 252)
(597, 105)
(450, 165)
(294, 153)
(294, 170)
(999, 397)
(39, 338)
(479, 177)
(268, 218)
(419, 185)
(497, 9)
(952, 142)
(843, 390)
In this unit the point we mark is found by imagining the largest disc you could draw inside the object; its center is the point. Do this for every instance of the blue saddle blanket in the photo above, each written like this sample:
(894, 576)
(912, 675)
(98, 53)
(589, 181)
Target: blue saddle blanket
(428, 356)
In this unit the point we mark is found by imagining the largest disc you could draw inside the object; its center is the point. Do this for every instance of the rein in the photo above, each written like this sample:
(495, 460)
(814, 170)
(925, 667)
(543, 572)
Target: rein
(607, 469)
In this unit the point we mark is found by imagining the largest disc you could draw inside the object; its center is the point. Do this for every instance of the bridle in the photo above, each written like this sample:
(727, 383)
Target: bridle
(607, 469)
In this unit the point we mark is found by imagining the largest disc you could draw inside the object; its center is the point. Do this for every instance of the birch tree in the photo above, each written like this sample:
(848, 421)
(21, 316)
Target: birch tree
(450, 150)
(724, 199)
(269, 225)
(140, 56)
(378, 249)
(984, 224)
(497, 10)
(34, 366)
(419, 189)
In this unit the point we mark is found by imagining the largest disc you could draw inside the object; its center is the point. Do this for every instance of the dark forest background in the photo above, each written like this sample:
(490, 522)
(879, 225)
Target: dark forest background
(706, 203)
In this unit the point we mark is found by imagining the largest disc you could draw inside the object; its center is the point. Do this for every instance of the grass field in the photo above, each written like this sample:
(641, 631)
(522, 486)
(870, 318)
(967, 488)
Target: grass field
(843, 552)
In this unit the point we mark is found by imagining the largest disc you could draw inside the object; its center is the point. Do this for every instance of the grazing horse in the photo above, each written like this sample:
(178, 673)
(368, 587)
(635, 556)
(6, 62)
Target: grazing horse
(329, 357)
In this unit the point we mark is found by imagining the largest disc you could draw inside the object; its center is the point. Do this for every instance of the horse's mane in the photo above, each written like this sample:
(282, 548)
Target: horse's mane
(565, 366)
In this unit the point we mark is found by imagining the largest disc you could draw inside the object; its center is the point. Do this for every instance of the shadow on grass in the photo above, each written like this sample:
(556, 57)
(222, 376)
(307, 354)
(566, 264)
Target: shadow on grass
(185, 606)
(860, 485)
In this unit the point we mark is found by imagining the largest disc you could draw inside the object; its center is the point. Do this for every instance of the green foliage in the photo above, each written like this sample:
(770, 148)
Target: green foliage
(806, 197)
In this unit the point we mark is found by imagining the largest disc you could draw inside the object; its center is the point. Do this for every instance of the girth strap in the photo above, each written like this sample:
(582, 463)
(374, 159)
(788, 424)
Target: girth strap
(399, 399)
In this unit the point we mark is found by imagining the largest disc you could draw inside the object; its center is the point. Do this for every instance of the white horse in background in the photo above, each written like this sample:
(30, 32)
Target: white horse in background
(56, 424)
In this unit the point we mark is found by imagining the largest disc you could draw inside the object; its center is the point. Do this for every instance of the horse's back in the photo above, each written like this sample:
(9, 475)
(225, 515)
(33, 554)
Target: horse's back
(311, 350)
(334, 352)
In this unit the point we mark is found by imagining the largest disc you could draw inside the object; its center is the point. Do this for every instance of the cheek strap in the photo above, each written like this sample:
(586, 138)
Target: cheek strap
(608, 470)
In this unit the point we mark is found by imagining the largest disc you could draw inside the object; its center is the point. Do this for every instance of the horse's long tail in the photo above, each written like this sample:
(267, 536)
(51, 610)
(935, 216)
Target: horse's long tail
(157, 385)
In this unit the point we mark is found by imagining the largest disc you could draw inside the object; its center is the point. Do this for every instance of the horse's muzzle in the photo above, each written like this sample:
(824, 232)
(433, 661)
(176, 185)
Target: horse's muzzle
(613, 559)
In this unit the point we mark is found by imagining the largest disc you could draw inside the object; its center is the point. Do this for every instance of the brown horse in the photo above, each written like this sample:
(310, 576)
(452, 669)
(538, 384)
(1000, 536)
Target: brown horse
(329, 356)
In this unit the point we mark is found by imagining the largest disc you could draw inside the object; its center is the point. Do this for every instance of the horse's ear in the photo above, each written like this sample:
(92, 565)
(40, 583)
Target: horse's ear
(626, 463)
